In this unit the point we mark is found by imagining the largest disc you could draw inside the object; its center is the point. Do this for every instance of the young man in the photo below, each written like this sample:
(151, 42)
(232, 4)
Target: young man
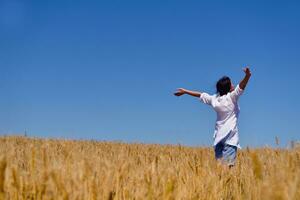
(225, 103)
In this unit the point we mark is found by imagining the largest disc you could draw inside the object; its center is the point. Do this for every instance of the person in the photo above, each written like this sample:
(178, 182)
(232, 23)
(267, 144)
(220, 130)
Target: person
(225, 103)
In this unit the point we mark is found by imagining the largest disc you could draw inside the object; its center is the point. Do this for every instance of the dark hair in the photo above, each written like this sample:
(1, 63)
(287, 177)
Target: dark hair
(223, 85)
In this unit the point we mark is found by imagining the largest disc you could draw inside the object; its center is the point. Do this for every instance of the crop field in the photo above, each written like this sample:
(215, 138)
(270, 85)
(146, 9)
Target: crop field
(33, 168)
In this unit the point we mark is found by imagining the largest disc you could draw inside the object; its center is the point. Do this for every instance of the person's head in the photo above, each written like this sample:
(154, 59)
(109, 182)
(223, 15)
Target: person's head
(224, 85)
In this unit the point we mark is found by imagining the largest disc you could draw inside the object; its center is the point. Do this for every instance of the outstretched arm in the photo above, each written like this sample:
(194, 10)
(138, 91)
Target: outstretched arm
(245, 80)
(182, 91)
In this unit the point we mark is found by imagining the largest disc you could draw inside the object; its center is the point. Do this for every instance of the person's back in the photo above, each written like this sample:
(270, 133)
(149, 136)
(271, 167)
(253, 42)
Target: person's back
(225, 103)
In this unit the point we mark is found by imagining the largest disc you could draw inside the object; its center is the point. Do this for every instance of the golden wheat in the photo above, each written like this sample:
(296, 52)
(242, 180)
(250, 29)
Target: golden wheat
(63, 169)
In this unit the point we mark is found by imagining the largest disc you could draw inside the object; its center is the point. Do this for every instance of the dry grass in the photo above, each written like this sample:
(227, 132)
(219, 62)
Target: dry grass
(63, 169)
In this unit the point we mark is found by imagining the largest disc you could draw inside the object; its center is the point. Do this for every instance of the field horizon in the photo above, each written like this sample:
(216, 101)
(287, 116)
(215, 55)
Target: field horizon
(35, 168)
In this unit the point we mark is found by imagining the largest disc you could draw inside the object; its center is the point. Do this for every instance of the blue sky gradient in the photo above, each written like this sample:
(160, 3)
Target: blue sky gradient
(106, 70)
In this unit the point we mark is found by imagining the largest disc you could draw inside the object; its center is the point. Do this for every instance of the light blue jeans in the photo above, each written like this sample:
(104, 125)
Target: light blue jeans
(226, 153)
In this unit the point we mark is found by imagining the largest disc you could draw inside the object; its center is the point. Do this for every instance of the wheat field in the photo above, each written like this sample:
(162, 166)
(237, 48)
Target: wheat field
(32, 168)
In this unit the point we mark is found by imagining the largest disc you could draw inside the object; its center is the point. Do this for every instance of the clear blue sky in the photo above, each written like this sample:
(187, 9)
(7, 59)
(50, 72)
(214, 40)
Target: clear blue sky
(106, 70)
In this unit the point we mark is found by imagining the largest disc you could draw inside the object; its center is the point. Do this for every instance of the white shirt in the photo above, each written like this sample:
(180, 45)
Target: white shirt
(227, 110)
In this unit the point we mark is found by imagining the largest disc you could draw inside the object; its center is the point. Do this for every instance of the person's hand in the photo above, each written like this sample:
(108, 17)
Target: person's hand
(247, 71)
(179, 92)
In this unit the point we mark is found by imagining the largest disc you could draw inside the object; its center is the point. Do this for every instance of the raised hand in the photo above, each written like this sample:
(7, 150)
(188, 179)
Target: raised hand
(179, 92)
(247, 71)
(245, 80)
